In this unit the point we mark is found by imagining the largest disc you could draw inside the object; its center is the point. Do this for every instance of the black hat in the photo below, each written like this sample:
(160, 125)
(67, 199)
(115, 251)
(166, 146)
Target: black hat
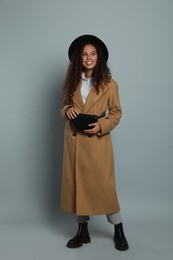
(87, 38)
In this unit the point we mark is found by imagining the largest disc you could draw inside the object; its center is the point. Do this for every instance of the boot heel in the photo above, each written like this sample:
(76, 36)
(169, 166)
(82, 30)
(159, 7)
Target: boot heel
(87, 240)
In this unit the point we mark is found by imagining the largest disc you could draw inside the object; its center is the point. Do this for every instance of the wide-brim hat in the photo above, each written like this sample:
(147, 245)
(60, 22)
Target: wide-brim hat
(84, 39)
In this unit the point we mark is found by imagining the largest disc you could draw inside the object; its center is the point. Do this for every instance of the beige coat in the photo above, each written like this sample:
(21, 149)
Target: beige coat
(88, 180)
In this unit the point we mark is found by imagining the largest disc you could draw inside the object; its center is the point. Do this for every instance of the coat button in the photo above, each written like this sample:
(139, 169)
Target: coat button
(74, 133)
(89, 135)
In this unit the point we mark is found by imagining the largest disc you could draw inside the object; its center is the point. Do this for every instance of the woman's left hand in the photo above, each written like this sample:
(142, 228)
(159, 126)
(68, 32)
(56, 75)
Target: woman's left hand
(95, 130)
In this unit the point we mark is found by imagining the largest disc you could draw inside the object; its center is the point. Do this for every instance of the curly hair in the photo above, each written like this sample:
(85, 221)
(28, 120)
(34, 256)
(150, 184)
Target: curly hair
(101, 73)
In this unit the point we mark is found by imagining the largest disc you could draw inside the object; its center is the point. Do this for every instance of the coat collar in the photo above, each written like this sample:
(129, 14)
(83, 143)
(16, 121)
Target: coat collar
(92, 98)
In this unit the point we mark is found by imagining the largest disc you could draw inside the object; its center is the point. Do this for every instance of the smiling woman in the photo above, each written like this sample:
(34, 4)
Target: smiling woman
(88, 180)
(89, 59)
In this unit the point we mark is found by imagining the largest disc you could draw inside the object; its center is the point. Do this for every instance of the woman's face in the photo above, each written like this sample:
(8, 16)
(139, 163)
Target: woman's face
(89, 57)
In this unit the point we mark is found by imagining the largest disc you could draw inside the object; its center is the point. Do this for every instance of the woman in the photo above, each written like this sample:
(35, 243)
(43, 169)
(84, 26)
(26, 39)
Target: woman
(88, 180)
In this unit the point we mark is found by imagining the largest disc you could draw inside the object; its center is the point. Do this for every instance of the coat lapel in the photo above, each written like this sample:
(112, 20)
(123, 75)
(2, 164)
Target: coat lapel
(93, 98)
(77, 98)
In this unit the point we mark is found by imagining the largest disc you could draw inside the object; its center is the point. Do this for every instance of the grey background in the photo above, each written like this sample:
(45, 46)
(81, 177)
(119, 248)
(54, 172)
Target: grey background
(34, 39)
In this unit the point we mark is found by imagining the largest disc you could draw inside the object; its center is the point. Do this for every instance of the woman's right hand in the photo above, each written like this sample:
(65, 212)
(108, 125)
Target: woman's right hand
(71, 113)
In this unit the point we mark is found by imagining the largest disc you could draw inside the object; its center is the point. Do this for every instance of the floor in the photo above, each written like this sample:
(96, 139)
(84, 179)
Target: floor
(149, 237)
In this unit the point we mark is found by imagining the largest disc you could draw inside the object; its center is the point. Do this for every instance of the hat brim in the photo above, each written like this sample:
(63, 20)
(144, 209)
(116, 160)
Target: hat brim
(87, 38)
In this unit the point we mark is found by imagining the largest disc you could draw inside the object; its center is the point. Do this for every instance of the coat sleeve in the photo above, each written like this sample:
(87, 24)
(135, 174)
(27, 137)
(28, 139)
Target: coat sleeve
(114, 110)
(64, 106)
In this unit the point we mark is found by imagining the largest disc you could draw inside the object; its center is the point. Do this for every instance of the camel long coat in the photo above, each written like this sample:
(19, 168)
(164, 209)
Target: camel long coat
(88, 179)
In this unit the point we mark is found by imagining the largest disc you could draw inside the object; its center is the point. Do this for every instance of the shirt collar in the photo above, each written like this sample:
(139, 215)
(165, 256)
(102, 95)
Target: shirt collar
(85, 79)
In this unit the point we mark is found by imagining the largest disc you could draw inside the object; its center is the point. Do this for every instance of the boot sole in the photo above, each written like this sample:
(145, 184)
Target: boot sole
(122, 249)
(85, 241)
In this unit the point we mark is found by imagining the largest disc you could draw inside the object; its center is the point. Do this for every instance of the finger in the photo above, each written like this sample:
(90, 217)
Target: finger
(94, 130)
(93, 124)
(73, 114)
(77, 113)
(70, 115)
(89, 132)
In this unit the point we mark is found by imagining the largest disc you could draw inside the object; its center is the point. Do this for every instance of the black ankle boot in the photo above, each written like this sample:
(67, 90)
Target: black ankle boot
(119, 238)
(81, 237)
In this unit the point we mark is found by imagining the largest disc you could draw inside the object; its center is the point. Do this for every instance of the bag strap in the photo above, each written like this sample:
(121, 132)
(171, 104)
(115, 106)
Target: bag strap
(102, 115)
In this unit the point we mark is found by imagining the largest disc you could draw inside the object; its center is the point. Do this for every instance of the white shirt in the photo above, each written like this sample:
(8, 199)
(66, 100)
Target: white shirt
(86, 87)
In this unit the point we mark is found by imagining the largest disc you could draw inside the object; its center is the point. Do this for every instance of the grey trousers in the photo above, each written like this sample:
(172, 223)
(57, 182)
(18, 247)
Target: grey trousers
(114, 218)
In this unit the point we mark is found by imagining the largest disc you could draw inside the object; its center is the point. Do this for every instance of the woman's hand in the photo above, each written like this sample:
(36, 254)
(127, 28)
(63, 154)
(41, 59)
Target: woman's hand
(71, 113)
(95, 130)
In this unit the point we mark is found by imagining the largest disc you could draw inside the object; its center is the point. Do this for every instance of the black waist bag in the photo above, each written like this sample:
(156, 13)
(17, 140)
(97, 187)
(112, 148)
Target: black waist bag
(82, 121)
